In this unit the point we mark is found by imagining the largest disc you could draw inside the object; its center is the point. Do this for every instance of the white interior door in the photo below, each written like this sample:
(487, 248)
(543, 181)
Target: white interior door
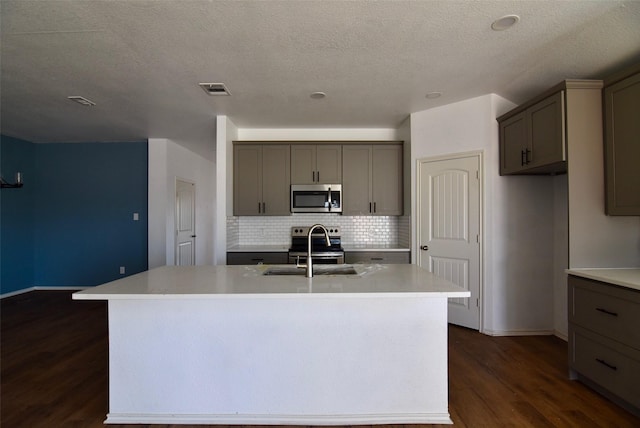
(449, 229)
(185, 223)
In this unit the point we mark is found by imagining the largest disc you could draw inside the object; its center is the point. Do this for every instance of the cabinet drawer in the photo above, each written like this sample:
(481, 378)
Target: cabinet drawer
(257, 258)
(607, 310)
(612, 366)
(382, 257)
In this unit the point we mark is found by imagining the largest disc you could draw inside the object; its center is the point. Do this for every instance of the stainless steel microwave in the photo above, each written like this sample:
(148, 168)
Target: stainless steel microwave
(316, 198)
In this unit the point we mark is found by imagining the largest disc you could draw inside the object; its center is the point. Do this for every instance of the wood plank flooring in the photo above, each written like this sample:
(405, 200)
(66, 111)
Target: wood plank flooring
(54, 371)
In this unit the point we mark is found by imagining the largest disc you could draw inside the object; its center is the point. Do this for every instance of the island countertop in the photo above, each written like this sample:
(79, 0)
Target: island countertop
(215, 282)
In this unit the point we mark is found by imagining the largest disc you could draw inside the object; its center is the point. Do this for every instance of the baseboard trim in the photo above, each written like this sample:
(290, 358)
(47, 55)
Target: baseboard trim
(239, 419)
(43, 288)
(519, 332)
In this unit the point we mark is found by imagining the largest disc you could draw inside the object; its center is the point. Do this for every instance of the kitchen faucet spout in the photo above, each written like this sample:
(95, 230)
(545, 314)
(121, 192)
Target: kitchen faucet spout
(309, 265)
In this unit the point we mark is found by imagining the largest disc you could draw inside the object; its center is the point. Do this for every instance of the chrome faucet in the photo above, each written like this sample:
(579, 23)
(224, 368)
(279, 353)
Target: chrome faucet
(309, 264)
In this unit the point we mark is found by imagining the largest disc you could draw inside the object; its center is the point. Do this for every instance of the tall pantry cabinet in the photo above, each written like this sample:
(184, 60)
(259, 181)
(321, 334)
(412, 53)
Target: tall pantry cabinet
(622, 142)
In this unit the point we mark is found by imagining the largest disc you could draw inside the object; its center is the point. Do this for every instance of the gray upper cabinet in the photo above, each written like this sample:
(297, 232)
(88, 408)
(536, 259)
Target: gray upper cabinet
(622, 145)
(532, 140)
(372, 179)
(316, 163)
(261, 179)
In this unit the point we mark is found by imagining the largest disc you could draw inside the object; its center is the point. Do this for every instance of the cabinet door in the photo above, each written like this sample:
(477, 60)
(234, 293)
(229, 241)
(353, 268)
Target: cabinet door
(276, 179)
(387, 180)
(622, 147)
(356, 179)
(303, 164)
(513, 141)
(329, 164)
(247, 180)
(546, 132)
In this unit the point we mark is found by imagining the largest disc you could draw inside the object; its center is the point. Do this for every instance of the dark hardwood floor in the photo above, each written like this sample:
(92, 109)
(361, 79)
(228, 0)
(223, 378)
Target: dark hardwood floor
(55, 373)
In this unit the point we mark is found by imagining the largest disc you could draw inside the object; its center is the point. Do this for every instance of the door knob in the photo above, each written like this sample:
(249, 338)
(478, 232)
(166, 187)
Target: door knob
(193, 236)
(424, 248)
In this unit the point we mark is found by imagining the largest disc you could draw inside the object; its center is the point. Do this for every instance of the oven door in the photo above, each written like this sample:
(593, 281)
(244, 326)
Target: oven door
(326, 258)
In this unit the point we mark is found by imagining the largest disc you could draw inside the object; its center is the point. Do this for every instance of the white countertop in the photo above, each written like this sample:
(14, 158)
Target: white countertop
(285, 248)
(258, 249)
(213, 282)
(629, 278)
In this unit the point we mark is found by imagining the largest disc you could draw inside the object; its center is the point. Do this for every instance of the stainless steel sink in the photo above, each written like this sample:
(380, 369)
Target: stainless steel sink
(317, 270)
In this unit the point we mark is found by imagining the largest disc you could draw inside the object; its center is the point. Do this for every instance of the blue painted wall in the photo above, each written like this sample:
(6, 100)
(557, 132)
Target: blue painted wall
(17, 221)
(83, 196)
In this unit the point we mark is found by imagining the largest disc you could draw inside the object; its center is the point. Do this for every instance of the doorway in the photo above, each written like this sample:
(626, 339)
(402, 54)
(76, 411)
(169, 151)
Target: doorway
(185, 223)
(449, 202)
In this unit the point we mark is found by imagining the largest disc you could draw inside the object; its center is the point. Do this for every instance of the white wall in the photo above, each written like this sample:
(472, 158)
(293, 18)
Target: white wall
(226, 133)
(518, 233)
(317, 134)
(168, 161)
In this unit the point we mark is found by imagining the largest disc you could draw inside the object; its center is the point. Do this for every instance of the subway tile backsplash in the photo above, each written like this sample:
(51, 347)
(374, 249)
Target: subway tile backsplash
(274, 230)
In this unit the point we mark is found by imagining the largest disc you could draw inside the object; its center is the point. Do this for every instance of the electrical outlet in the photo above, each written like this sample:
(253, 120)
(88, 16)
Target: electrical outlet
(136, 217)
(121, 270)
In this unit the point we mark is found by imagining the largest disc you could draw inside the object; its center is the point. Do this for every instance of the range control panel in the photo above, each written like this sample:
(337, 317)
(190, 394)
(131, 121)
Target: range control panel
(304, 231)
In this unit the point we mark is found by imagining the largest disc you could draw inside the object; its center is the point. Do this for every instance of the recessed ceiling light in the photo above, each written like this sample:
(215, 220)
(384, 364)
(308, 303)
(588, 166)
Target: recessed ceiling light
(433, 95)
(318, 95)
(81, 100)
(215, 88)
(505, 22)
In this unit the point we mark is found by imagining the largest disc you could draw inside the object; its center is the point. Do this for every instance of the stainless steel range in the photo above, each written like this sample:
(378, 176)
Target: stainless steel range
(320, 252)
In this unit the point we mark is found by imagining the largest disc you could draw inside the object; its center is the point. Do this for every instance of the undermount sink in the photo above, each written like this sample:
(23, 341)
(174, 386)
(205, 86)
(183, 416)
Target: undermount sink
(317, 270)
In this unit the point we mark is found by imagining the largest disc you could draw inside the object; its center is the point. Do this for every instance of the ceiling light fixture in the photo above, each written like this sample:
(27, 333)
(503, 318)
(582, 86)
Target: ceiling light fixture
(505, 22)
(215, 88)
(433, 95)
(318, 95)
(81, 100)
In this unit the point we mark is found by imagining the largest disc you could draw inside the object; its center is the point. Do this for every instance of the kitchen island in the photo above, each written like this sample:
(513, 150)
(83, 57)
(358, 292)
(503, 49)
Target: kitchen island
(229, 345)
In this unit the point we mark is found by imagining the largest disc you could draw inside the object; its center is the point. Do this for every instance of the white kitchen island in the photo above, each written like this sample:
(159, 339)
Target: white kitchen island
(227, 345)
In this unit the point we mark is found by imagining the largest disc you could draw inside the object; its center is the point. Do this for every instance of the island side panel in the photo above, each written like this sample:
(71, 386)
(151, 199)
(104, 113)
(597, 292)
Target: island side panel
(304, 360)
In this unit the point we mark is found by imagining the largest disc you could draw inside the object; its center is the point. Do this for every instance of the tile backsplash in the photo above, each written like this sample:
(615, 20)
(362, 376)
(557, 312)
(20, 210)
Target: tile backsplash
(275, 230)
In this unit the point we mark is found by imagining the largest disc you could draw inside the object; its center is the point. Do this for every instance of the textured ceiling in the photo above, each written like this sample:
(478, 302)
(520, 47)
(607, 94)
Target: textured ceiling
(141, 61)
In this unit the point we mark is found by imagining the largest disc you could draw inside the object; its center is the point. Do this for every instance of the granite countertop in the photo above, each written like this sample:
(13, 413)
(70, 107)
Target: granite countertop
(624, 277)
(214, 282)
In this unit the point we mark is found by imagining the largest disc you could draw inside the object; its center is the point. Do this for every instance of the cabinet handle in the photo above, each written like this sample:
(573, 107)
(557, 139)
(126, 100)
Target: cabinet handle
(257, 260)
(527, 152)
(318, 175)
(424, 248)
(604, 363)
(370, 207)
(259, 208)
(377, 258)
(604, 311)
(313, 176)
(375, 209)
(522, 161)
(264, 208)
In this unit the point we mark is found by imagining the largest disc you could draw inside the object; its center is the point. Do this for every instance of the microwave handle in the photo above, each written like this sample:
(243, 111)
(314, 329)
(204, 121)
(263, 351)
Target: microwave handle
(329, 194)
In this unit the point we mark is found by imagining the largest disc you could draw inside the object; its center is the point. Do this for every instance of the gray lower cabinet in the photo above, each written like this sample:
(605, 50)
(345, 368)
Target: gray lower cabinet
(256, 258)
(382, 257)
(372, 179)
(604, 339)
(622, 144)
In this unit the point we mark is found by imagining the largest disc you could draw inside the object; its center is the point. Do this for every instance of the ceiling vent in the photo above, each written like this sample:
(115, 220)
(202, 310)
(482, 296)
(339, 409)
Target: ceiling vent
(81, 100)
(215, 88)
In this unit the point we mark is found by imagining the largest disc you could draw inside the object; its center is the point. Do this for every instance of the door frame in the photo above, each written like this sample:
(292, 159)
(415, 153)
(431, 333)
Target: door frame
(175, 218)
(479, 154)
